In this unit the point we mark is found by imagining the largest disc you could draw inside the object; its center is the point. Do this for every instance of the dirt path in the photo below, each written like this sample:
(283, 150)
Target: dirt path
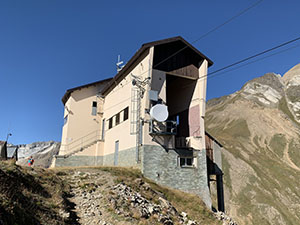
(89, 189)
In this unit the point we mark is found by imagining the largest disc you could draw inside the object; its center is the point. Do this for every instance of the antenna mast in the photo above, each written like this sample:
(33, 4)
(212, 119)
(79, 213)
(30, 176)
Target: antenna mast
(119, 64)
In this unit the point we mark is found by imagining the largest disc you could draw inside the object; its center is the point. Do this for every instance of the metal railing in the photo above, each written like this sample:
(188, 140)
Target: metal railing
(168, 127)
(81, 143)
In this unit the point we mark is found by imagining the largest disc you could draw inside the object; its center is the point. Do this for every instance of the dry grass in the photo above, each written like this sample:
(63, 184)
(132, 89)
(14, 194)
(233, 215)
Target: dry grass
(189, 203)
(25, 190)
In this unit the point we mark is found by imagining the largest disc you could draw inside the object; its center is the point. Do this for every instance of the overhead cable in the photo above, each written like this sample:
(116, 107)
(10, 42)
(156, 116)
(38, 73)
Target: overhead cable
(211, 31)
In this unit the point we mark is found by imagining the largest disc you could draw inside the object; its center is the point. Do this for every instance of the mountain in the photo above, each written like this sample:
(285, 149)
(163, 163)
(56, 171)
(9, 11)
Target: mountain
(42, 153)
(259, 127)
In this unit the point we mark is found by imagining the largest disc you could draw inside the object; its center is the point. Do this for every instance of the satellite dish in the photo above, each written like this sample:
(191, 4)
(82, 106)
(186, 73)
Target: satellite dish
(159, 112)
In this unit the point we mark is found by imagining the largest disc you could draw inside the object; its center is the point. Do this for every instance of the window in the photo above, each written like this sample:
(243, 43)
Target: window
(94, 108)
(110, 123)
(125, 114)
(117, 118)
(186, 161)
(103, 129)
(65, 119)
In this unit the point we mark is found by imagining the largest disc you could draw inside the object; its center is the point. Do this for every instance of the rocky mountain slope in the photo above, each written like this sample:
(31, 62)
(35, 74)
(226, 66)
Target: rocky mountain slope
(107, 196)
(259, 127)
(42, 153)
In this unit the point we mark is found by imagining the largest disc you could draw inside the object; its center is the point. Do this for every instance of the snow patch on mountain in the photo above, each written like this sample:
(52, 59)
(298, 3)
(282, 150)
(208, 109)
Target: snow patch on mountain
(263, 93)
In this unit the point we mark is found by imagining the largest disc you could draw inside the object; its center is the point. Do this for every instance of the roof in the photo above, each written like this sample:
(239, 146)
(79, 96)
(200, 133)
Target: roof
(69, 91)
(215, 140)
(119, 76)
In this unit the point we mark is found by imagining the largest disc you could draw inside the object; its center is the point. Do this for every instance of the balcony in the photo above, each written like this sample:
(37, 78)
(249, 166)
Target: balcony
(168, 127)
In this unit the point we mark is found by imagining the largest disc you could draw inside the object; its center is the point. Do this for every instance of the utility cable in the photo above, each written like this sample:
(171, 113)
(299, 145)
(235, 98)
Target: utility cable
(276, 53)
(254, 56)
(214, 73)
(209, 32)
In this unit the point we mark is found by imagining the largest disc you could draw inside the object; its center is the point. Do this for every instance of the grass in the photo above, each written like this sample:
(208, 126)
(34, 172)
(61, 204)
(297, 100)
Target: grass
(294, 152)
(275, 185)
(226, 167)
(189, 203)
(278, 143)
(293, 93)
(271, 174)
(284, 108)
(25, 190)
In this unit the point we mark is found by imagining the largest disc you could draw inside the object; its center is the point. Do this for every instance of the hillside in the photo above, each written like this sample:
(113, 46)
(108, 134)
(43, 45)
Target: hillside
(259, 128)
(32, 196)
(94, 196)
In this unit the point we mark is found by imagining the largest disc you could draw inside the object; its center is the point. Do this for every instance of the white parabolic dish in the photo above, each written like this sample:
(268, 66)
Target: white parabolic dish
(159, 112)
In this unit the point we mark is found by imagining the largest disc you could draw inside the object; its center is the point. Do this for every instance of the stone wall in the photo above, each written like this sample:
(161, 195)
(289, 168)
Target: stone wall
(79, 160)
(157, 164)
(126, 157)
(162, 167)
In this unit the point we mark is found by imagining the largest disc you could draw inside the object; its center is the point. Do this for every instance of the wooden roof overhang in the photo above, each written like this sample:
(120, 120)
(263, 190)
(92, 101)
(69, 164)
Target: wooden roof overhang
(142, 53)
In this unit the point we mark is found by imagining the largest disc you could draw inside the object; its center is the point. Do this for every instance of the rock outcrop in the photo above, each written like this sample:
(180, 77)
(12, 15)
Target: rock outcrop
(99, 199)
(42, 153)
(291, 80)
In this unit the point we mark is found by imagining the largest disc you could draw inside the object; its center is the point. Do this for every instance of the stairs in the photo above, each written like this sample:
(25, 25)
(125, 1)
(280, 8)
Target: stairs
(80, 144)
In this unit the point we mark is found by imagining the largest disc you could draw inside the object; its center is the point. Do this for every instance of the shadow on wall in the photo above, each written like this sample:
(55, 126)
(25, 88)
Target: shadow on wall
(79, 95)
(214, 169)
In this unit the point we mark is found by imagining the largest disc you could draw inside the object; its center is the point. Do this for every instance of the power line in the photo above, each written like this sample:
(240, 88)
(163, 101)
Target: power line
(204, 35)
(229, 20)
(276, 53)
(254, 56)
(214, 73)
(209, 32)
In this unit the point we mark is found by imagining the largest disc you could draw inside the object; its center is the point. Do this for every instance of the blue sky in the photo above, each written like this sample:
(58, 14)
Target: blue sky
(49, 46)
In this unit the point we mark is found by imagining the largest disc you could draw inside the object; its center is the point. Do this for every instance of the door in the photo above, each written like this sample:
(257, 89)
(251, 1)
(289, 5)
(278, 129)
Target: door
(116, 153)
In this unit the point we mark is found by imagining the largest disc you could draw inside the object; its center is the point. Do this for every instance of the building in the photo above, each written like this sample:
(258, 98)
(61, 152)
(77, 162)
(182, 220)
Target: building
(109, 123)
(8, 151)
(12, 152)
(3, 150)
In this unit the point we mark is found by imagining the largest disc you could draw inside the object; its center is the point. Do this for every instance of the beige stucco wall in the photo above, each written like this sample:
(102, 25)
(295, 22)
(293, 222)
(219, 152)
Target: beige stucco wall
(82, 127)
(196, 105)
(116, 101)
(198, 100)
(81, 122)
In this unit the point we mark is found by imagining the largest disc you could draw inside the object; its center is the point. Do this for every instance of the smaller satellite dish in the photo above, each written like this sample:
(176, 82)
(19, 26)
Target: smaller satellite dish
(159, 112)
